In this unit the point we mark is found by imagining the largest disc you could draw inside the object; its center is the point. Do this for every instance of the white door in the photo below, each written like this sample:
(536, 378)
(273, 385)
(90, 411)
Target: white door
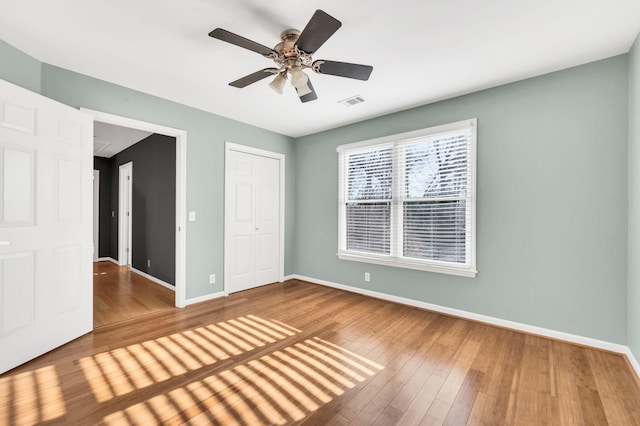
(46, 295)
(96, 215)
(252, 221)
(125, 213)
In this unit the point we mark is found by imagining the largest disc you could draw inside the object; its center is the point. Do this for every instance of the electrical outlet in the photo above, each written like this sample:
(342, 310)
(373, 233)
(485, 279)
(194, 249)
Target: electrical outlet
(367, 277)
(148, 263)
(212, 279)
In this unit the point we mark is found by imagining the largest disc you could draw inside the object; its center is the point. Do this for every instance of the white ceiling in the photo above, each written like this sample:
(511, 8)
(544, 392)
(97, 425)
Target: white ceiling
(109, 139)
(421, 50)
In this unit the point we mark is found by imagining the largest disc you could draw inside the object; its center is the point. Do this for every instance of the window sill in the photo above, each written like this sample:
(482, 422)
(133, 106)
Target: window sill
(407, 264)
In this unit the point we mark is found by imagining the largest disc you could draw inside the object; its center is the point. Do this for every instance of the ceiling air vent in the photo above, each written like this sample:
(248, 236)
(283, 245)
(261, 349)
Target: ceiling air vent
(354, 100)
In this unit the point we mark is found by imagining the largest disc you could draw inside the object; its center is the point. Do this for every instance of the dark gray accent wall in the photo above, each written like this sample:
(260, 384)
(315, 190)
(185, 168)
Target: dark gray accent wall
(154, 205)
(103, 165)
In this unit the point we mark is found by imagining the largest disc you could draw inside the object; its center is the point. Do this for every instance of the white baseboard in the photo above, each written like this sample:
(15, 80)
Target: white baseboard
(204, 298)
(633, 361)
(154, 279)
(512, 325)
(108, 259)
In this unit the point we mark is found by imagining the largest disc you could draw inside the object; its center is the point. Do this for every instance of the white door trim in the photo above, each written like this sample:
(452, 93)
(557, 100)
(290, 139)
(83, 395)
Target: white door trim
(230, 146)
(181, 188)
(96, 215)
(125, 213)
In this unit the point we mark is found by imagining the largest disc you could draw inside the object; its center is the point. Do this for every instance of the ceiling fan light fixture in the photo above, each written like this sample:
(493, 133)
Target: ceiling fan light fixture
(298, 78)
(278, 83)
(300, 81)
(303, 90)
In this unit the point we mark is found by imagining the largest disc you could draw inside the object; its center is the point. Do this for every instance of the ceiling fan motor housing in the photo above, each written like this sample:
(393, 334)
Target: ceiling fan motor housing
(289, 56)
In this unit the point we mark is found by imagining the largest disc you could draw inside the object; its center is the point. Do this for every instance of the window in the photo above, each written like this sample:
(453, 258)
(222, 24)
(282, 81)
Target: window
(409, 200)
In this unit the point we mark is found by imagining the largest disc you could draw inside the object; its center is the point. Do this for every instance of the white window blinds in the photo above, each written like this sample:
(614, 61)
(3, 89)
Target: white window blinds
(368, 205)
(408, 200)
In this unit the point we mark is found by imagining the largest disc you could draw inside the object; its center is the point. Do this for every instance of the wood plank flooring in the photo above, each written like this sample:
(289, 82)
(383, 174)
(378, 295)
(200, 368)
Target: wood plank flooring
(120, 295)
(298, 353)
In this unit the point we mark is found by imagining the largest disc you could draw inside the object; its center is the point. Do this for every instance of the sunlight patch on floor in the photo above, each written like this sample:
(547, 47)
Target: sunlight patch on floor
(31, 397)
(275, 386)
(123, 370)
(279, 388)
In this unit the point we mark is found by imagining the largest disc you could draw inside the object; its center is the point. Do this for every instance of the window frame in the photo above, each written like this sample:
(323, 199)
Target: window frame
(467, 269)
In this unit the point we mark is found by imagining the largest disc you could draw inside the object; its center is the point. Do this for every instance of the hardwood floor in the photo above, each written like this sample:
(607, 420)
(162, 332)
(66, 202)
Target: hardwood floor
(298, 353)
(120, 295)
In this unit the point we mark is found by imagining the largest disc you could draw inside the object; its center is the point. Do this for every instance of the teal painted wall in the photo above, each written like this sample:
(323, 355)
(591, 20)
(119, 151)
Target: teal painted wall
(552, 192)
(19, 68)
(552, 203)
(634, 200)
(206, 136)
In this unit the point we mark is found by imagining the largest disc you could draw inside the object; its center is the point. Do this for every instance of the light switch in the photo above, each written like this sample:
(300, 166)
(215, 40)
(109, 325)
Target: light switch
(192, 216)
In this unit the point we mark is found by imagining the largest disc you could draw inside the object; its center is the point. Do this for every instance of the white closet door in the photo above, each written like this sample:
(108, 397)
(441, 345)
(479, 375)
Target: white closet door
(253, 221)
(46, 296)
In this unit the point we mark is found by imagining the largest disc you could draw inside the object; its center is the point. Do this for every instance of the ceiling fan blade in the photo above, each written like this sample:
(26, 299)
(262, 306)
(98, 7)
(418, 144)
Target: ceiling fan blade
(343, 69)
(252, 78)
(232, 38)
(320, 27)
(309, 96)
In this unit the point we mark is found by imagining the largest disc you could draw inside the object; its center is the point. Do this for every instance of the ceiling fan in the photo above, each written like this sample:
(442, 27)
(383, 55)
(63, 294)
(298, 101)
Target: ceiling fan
(293, 55)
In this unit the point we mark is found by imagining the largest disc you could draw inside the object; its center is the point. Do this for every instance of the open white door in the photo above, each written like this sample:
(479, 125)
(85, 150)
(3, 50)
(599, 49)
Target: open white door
(125, 185)
(96, 215)
(46, 295)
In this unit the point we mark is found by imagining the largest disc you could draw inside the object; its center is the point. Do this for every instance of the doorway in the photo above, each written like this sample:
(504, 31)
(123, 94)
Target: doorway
(180, 193)
(254, 217)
